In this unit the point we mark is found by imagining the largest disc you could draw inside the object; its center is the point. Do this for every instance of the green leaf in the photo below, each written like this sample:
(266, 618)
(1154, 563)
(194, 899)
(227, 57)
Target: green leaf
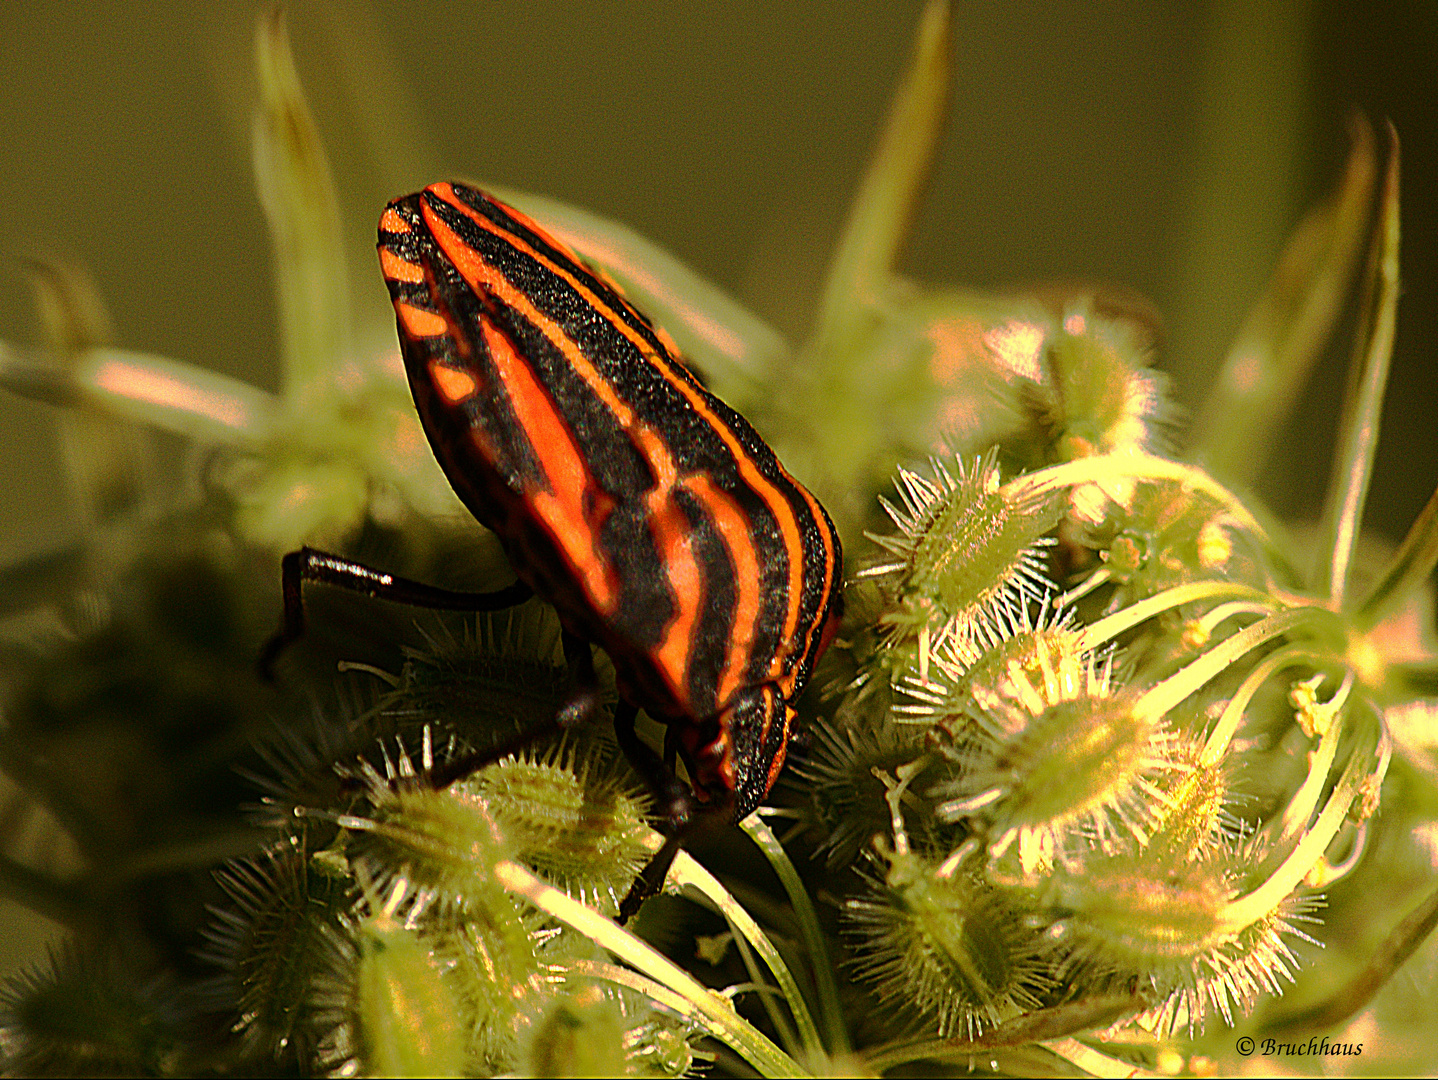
(1286, 330)
(297, 192)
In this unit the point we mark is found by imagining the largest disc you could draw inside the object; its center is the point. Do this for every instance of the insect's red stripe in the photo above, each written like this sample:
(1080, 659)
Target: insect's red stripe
(395, 268)
(392, 221)
(454, 385)
(672, 531)
(785, 715)
(419, 323)
(778, 505)
(561, 508)
(737, 532)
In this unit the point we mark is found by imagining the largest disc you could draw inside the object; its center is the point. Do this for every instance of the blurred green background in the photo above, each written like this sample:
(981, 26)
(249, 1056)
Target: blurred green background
(1166, 146)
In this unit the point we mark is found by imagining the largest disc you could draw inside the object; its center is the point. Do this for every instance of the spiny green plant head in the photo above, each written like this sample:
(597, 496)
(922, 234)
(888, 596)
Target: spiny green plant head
(277, 940)
(497, 967)
(507, 668)
(841, 778)
(1092, 759)
(1193, 816)
(944, 946)
(84, 1013)
(445, 840)
(579, 824)
(1108, 401)
(1163, 921)
(408, 1019)
(964, 545)
(582, 1035)
(1135, 912)
(1051, 657)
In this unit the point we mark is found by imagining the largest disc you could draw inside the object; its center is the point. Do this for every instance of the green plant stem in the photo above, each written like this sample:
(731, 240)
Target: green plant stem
(1300, 807)
(726, 1024)
(1133, 466)
(1191, 677)
(1217, 743)
(675, 1002)
(688, 871)
(1363, 400)
(155, 391)
(890, 191)
(769, 997)
(45, 896)
(1039, 1025)
(1111, 626)
(1094, 1063)
(211, 409)
(1285, 331)
(296, 189)
(1410, 568)
(1264, 900)
(861, 271)
(821, 964)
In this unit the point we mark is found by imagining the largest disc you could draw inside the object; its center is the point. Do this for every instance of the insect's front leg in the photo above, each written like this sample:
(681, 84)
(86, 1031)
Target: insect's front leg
(674, 799)
(309, 565)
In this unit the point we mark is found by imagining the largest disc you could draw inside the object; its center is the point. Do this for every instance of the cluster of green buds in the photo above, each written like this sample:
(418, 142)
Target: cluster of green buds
(1058, 776)
(1089, 751)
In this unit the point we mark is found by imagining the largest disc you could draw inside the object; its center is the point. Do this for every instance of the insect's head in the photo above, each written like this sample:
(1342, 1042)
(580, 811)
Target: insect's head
(758, 721)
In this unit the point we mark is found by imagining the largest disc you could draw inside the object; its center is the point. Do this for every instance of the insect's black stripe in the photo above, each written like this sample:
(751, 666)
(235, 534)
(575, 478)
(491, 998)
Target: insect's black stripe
(440, 290)
(522, 231)
(709, 645)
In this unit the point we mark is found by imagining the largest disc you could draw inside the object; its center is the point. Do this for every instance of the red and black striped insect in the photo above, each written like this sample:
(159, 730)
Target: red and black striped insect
(650, 514)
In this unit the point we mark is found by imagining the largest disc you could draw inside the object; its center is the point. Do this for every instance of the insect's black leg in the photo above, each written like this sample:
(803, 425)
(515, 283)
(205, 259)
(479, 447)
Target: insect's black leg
(310, 565)
(581, 704)
(673, 797)
(671, 746)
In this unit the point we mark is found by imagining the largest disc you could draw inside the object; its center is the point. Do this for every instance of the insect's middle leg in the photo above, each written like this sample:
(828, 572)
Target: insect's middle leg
(310, 565)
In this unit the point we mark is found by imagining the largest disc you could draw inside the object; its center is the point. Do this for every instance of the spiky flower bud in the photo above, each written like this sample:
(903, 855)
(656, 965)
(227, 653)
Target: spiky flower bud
(277, 942)
(947, 946)
(965, 547)
(408, 1021)
(1164, 921)
(580, 824)
(88, 1013)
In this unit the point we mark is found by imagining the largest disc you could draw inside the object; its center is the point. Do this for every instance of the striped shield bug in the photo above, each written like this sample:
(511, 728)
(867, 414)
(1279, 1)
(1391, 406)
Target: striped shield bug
(651, 515)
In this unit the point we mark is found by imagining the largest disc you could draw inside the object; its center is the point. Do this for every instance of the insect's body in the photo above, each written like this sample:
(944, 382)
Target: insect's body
(649, 513)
